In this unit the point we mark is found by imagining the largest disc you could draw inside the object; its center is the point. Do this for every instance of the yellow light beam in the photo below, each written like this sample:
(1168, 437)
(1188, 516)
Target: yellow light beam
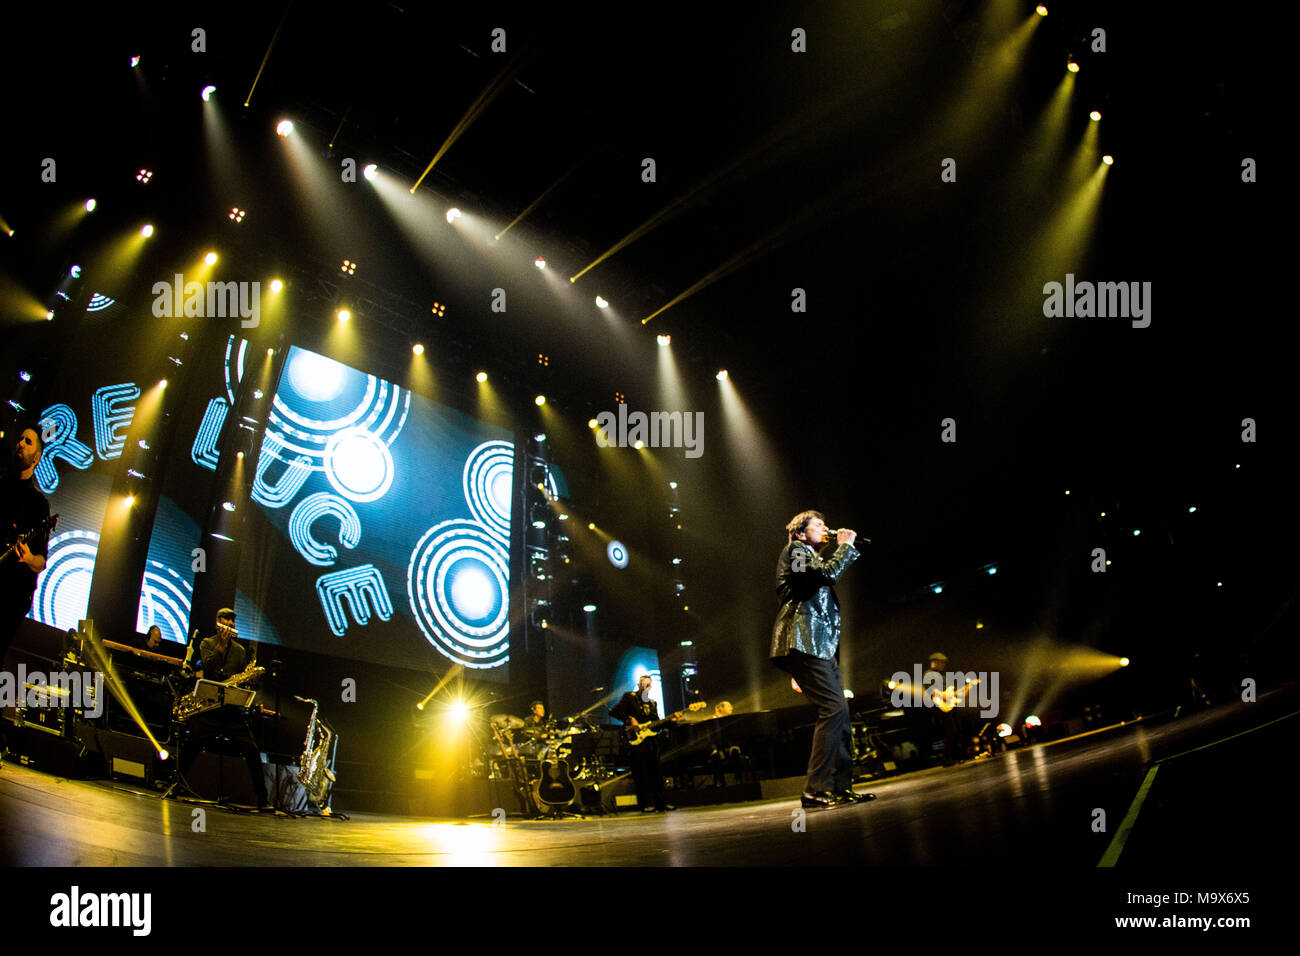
(728, 267)
(536, 202)
(476, 109)
(267, 56)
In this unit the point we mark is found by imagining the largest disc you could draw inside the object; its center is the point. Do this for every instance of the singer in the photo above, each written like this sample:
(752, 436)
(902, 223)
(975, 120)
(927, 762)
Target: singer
(805, 644)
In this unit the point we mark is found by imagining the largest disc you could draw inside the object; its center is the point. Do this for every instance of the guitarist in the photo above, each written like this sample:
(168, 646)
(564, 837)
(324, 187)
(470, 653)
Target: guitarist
(635, 708)
(22, 508)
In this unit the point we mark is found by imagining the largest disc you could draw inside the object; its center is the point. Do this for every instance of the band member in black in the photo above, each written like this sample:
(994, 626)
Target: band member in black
(635, 708)
(223, 656)
(805, 644)
(22, 509)
(536, 718)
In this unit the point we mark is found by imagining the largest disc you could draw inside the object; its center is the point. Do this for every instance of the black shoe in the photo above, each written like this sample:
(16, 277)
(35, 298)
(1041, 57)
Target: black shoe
(666, 808)
(647, 809)
(849, 796)
(821, 800)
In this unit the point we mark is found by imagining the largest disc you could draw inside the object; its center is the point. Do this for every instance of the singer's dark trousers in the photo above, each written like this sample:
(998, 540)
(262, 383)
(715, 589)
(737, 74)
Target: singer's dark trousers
(830, 765)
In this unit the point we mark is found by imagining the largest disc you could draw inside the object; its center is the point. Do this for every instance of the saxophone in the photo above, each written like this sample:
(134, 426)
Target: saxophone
(190, 705)
(314, 772)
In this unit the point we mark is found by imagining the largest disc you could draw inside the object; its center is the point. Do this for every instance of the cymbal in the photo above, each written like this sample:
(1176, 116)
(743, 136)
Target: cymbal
(506, 721)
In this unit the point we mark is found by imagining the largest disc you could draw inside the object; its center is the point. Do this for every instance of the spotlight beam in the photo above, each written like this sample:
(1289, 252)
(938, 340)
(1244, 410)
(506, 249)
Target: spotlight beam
(537, 202)
(476, 109)
(267, 55)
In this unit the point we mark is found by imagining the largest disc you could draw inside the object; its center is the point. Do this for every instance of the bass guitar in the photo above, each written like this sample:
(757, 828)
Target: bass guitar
(642, 732)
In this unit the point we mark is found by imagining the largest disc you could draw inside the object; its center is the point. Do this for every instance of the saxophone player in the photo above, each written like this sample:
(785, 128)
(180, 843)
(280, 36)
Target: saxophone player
(223, 656)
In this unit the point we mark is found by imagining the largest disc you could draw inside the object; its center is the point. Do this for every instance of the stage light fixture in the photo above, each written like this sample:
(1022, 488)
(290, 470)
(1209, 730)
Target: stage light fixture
(453, 214)
(481, 377)
(162, 383)
(439, 309)
(210, 258)
(937, 587)
(1123, 662)
(1136, 532)
(143, 176)
(601, 303)
(540, 262)
(1108, 159)
(237, 214)
(540, 437)
(1094, 115)
(638, 444)
(672, 485)
(664, 340)
(540, 399)
(592, 423)
(285, 127)
(239, 455)
(25, 376)
(1072, 66)
(1041, 10)
(276, 286)
(207, 92)
(270, 352)
(722, 375)
(147, 231)
(543, 359)
(129, 500)
(344, 315)
(417, 348)
(135, 61)
(50, 315)
(370, 171)
(228, 505)
(591, 526)
(589, 608)
(75, 272)
(349, 267)
(163, 754)
(677, 560)
(90, 205)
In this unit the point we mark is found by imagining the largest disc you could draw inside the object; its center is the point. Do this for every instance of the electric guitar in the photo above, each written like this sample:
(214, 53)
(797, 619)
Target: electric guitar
(945, 700)
(641, 732)
(47, 523)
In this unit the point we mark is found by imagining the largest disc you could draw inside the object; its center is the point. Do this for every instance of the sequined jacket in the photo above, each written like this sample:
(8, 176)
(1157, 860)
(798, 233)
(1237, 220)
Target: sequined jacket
(809, 618)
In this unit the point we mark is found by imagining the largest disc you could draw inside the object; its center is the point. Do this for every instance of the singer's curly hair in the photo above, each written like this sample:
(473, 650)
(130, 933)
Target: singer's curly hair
(799, 522)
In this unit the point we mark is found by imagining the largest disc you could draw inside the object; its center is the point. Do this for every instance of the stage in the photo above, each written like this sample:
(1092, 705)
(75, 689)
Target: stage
(1214, 793)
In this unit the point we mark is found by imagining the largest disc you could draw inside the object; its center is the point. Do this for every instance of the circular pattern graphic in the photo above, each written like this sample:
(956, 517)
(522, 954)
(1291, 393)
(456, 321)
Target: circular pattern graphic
(320, 398)
(164, 600)
(489, 485)
(617, 554)
(63, 590)
(359, 465)
(458, 584)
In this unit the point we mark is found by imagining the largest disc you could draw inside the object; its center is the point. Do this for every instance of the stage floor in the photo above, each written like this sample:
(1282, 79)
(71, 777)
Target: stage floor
(1036, 806)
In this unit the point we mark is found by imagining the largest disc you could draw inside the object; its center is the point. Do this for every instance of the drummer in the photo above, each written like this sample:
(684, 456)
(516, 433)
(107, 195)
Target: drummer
(536, 718)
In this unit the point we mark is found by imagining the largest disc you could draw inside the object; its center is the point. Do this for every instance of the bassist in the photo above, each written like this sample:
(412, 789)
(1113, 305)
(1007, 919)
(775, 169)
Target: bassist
(633, 709)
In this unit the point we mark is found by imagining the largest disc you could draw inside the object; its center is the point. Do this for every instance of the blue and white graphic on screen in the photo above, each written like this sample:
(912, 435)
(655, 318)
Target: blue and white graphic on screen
(458, 582)
(317, 506)
(324, 411)
(489, 483)
(165, 600)
(59, 433)
(63, 590)
(112, 409)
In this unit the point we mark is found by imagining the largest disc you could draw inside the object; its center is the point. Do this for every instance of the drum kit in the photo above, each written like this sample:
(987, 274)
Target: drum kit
(543, 744)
